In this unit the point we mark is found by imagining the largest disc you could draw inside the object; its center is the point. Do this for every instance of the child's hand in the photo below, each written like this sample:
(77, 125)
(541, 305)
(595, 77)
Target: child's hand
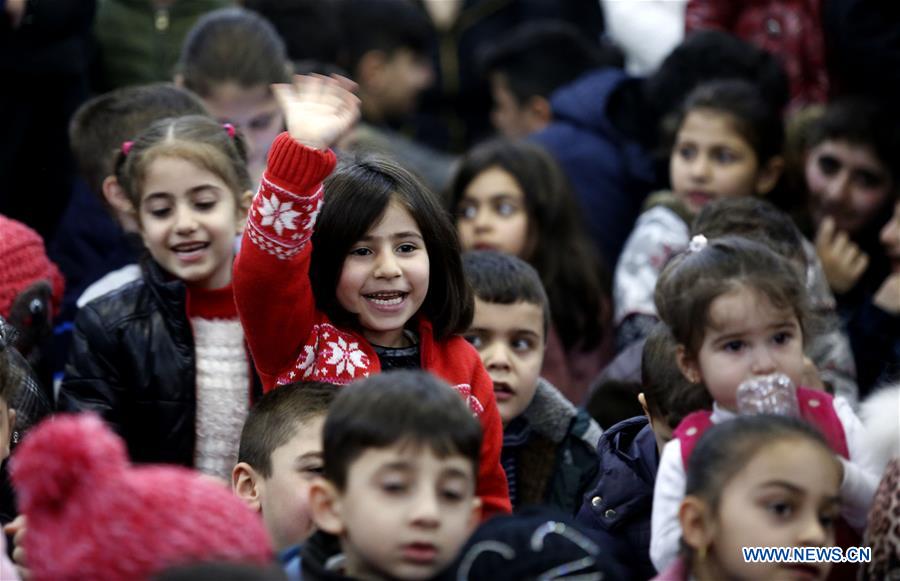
(318, 110)
(17, 528)
(842, 260)
(888, 296)
(811, 378)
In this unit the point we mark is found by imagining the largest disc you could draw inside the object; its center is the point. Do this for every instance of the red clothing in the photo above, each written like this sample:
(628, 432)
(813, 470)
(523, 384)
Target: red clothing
(790, 29)
(815, 407)
(291, 340)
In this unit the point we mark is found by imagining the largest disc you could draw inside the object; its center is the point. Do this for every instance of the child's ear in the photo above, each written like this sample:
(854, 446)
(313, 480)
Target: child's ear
(643, 401)
(539, 112)
(769, 174)
(243, 208)
(475, 517)
(325, 506)
(245, 482)
(115, 196)
(370, 67)
(697, 523)
(687, 364)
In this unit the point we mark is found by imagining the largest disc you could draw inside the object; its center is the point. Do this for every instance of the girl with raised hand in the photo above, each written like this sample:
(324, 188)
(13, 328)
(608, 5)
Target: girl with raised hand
(338, 280)
(163, 359)
(739, 312)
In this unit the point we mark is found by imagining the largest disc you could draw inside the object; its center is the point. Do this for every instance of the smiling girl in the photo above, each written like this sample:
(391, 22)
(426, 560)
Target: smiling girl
(341, 280)
(163, 359)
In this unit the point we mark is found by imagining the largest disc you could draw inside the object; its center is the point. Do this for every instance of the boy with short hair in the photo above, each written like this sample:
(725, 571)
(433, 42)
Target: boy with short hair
(620, 503)
(548, 445)
(397, 496)
(526, 66)
(280, 454)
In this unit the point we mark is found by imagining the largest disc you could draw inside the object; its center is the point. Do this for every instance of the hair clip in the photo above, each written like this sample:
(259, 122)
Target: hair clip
(698, 243)
(229, 128)
(126, 147)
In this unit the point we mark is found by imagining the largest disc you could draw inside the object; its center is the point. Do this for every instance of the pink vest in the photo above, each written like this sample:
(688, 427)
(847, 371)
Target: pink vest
(816, 407)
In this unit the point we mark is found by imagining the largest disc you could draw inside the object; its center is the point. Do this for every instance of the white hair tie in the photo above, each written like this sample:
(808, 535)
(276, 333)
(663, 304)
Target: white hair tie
(698, 243)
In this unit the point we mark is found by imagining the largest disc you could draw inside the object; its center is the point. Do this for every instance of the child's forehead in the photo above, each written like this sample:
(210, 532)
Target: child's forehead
(745, 307)
(306, 435)
(521, 316)
(412, 456)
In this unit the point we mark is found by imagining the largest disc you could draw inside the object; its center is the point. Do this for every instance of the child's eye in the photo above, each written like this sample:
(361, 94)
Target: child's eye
(522, 344)
(686, 152)
(159, 212)
(262, 122)
(476, 341)
(506, 209)
(868, 180)
(451, 495)
(205, 205)
(724, 156)
(310, 471)
(829, 165)
(781, 509)
(360, 252)
(407, 248)
(733, 346)
(393, 487)
(782, 338)
(466, 212)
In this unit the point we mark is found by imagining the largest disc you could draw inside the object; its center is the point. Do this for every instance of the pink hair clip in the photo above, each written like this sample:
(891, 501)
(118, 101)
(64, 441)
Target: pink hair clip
(229, 128)
(126, 147)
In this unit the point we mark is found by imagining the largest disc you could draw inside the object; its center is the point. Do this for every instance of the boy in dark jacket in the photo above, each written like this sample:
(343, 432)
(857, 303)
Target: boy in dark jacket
(621, 500)
(548, 444)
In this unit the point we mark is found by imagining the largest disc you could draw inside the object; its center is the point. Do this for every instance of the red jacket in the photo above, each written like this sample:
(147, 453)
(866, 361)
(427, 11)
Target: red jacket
(291, 340)
(789, 29)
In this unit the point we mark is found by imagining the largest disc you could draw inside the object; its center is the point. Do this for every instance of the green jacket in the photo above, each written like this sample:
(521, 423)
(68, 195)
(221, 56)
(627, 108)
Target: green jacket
(139, 43)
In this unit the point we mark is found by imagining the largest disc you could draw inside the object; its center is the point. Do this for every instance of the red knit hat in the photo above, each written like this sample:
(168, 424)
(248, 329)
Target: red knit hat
(92, 516)
(23, 261)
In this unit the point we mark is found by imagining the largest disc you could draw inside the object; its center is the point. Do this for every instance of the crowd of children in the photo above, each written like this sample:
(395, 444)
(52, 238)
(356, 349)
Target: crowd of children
(653, 324)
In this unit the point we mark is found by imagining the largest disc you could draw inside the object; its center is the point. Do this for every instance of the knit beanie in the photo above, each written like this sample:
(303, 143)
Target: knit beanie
(23, 261)
(93, 516)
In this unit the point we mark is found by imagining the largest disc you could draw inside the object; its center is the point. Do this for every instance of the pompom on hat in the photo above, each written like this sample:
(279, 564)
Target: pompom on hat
(93, 516)
(23, 262)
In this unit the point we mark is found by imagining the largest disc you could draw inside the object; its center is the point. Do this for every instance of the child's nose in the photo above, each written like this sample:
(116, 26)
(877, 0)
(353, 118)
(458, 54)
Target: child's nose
(185, 221)
(700, 167)
(813, 532)
(387, 266)
(496, 356)
(763, 362)
(837, 187)
(426, 510)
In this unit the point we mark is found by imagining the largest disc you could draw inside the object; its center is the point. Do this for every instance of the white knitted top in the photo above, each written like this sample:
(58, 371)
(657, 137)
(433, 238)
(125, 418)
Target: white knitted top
(222, 393)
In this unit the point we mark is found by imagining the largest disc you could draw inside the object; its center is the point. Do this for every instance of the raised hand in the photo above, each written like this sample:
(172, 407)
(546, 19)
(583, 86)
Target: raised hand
(318, 110)
(842, 260)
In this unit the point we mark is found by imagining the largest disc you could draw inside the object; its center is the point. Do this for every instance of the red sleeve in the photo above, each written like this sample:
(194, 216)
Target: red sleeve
(271, 273)
(492, 486)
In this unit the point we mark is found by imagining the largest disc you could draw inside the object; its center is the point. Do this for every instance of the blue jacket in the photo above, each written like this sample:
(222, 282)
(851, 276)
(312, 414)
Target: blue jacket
(610, 173)
(620, 502)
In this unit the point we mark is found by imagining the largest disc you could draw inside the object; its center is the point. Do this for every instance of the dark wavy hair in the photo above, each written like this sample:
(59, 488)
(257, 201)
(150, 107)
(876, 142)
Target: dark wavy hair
(574, 276)
(357, 195)
(691, 281)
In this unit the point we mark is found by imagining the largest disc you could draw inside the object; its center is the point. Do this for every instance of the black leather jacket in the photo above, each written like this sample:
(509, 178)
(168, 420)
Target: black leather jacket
(132, 361)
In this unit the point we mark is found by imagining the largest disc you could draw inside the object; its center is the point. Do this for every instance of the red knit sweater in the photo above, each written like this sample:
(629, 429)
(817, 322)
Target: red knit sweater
(291, 340)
